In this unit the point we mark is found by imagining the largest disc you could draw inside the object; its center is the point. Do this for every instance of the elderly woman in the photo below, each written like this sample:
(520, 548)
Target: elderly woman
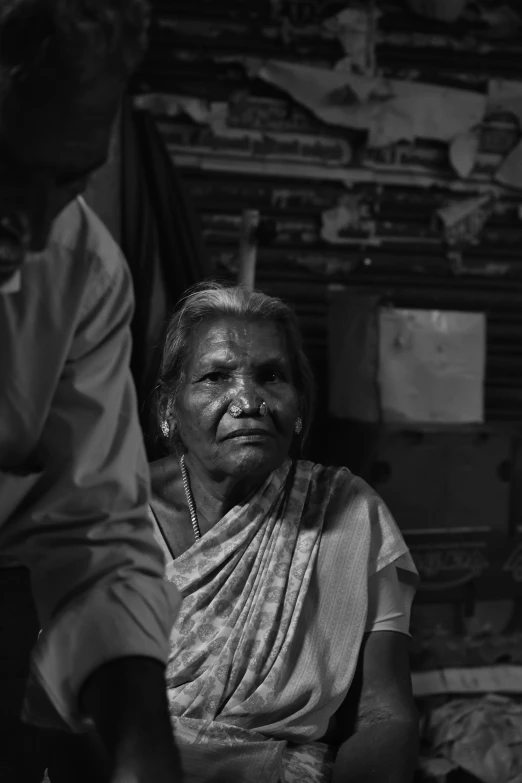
(289, 657)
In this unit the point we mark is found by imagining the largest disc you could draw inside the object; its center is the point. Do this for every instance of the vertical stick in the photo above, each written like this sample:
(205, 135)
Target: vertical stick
(248, 249)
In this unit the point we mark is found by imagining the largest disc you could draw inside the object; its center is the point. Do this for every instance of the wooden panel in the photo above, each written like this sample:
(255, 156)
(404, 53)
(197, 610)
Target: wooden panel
(445, 482)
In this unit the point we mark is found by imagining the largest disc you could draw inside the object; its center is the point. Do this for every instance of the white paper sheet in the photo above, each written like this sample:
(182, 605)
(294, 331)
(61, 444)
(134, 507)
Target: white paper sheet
(390, 110)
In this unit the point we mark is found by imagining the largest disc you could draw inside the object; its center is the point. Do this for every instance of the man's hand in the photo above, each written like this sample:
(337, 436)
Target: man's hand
(127, 701)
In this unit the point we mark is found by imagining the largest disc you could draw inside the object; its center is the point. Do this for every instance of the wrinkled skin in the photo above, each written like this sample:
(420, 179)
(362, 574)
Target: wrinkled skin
(246, 363)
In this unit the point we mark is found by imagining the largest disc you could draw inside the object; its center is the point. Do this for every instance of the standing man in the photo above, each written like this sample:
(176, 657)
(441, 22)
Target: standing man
(73, 474)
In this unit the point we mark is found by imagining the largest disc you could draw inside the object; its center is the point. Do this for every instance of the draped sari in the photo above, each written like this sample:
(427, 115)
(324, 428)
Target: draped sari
(273, 614)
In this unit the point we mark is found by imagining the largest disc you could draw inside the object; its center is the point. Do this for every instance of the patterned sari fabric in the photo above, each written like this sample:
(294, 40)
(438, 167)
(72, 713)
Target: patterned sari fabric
(273, 614)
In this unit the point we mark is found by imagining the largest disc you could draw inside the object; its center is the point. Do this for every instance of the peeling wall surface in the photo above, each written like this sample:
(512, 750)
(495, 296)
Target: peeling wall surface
(384, 150)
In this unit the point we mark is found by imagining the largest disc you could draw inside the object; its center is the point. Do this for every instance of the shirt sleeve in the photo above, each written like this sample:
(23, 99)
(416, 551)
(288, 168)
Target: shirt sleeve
(390, 597)
(392, 576)
(83, 531)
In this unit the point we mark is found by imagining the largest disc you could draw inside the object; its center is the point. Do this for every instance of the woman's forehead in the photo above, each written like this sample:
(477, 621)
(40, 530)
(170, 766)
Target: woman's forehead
(227, 338)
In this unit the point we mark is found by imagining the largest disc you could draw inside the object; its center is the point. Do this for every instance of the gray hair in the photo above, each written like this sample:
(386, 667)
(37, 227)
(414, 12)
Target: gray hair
(71, 39)
(210, 300)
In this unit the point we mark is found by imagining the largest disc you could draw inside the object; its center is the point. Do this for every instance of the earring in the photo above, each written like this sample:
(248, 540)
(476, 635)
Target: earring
(298, 426)
(165, 429)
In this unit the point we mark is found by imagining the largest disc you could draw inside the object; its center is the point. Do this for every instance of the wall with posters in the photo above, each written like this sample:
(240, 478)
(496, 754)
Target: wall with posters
(383, 148)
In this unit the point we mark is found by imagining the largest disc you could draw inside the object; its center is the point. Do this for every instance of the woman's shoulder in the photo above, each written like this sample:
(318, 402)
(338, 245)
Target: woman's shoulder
(342, 477)
(352, 501)
(343, 491)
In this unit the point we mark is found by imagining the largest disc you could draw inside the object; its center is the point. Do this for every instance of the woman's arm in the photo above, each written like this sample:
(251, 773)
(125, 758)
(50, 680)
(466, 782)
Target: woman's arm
(383, 744)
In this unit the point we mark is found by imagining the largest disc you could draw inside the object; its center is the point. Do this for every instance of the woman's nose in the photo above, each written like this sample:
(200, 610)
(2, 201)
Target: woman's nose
(248, 398)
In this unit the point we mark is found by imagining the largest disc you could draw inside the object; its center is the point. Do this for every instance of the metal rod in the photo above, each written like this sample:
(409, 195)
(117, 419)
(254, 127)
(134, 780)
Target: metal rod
(248, 249)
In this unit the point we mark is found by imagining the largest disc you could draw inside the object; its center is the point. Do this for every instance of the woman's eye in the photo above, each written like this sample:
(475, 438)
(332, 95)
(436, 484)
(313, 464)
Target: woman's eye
(215, 377)
(271, 376)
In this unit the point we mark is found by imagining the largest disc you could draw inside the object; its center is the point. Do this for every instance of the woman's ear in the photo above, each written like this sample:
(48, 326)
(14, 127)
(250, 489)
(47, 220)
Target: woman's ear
(173, 420)
(166, 421)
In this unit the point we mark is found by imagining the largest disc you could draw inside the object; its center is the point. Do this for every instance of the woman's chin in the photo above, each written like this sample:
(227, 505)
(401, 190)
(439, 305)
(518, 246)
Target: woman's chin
(253, 461)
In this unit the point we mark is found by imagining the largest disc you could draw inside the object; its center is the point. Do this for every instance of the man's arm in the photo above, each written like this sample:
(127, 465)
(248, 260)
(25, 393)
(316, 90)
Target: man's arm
(383, 745)
(97, 573)
(126, 699)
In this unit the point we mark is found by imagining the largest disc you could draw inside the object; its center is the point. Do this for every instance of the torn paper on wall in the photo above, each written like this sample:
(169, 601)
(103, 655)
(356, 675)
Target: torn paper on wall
(266, 114)
(230, 129)
(296, 12)
(350, 216)
(327, 265)
(510, 170)
(391, 110)
(294, 21)
(502, 20)
(355, 28)
(463, 153)
(225, 261)
(462, 265)
(431, 365)
(167, 105)
(201, 28)
(401, 365)
(506, 96)
(463, 221)
(253, 145)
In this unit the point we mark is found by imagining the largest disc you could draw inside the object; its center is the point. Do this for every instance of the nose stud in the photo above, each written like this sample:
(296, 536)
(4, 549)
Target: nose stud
(236, 410)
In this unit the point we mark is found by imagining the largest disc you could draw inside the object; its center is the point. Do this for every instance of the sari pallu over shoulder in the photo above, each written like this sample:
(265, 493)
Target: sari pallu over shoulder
(274, 608)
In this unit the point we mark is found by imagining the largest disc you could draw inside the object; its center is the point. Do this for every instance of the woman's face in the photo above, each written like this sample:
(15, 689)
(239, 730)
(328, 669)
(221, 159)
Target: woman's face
(246, 363)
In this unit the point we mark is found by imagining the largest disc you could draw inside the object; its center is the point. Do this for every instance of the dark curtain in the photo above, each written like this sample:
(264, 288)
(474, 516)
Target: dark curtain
(161, 240)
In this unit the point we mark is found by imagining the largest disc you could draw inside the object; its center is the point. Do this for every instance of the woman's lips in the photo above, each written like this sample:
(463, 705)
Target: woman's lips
(249, 433)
